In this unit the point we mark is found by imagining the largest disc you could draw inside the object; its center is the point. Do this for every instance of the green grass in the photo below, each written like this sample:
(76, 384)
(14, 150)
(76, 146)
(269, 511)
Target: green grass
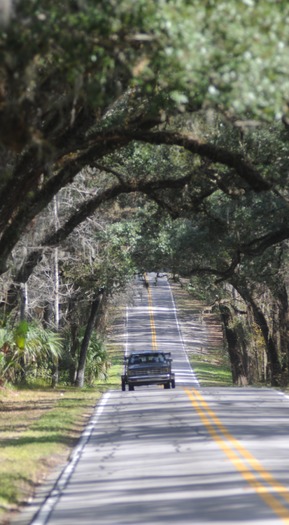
(210, 364)
(113, 380)
(39, 427)
(211, 373)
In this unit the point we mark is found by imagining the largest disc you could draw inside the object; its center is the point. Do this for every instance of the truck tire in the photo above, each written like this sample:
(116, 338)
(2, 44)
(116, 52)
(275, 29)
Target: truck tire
(130, 387)
(167, 385)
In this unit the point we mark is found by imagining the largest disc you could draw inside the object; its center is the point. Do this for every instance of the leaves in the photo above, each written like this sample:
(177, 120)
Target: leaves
(25, 348)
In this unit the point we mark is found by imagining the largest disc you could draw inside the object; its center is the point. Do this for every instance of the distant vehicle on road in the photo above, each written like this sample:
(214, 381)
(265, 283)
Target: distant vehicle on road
(148, 368)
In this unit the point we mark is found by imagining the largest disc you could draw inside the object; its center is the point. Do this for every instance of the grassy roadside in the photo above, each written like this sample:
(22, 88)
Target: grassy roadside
(38, 429)
(213, 371)
(203, 339)
(39, 426)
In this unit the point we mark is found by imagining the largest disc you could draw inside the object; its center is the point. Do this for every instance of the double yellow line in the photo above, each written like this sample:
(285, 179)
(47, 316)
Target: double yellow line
(249, 467)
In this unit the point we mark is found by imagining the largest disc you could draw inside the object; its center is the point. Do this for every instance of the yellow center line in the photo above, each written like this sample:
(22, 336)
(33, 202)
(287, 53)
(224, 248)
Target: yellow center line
(226, 443)
(152, 321)
(255, 464)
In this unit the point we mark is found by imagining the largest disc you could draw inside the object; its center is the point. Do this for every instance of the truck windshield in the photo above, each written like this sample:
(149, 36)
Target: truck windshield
(146, 359)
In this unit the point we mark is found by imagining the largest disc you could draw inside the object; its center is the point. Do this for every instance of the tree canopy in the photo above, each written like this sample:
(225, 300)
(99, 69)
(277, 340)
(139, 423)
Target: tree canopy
(80, 81)
(170, 121)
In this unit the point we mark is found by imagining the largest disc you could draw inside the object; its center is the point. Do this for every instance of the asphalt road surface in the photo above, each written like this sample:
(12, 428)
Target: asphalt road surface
(183, 456)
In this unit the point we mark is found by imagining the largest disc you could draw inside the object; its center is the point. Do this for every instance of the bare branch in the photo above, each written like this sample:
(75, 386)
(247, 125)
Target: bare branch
(86, 209)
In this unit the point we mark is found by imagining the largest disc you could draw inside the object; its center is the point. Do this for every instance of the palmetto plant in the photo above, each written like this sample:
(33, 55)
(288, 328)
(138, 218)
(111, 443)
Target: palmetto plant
(97, 360)
(97, 363)
(26, 348)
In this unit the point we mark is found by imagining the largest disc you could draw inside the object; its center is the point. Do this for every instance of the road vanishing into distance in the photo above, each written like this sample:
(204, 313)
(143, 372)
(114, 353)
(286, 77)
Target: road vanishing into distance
(183, 456)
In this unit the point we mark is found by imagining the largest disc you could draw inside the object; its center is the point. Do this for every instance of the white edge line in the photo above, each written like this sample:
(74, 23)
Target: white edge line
(126, 332)
(47, 507)
(180, 333)
(283, 394)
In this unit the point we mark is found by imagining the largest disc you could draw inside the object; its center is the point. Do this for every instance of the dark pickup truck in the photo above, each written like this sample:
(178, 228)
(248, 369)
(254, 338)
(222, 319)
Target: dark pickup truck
(148, 368)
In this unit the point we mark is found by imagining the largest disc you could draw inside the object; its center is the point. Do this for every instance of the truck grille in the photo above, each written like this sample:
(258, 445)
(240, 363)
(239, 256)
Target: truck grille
(148, 372)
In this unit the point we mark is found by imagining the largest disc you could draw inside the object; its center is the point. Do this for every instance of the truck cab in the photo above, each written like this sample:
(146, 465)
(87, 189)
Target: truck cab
(148, 368)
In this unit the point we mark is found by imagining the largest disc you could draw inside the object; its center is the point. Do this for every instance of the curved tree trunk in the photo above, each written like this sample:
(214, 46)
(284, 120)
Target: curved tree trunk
(280, 331)
(274, 364)
(272, 351)
(85, 342)
(236, 349)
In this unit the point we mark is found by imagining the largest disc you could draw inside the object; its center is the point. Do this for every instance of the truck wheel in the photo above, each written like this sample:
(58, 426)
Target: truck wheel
(167, 385)
(130, 387)
(173, 383)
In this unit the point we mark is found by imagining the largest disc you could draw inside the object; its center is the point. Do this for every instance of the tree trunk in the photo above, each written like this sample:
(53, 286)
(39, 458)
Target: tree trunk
(272, 352)
(280, 331)
(79, 382)
(73, 350)
(47, 314)
(23, 301)
(238, 357)
(23, 307)
(55, 366)
(274, 364)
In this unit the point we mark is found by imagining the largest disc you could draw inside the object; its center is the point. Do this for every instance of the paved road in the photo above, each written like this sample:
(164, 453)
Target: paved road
(152, 324)
(182, 456)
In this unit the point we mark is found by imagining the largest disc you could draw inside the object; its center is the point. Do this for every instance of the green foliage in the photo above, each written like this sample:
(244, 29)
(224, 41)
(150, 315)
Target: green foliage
(116, 245)
(21, 333)
(97, 363)
(97, 360)
(111, 266)
(64, 55)
(234, 54)
(27, 349)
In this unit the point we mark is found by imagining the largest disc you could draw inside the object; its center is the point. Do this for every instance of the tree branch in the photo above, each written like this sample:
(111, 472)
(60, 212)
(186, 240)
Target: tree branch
(215, 153)
(35, 203)
(258, 246)
(222, 275)
(85, 210)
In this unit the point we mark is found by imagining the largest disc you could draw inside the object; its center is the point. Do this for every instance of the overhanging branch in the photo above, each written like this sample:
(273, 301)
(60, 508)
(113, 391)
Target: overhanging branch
(215, 153)
(87, 209)
(258, 246)
(222, 275)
